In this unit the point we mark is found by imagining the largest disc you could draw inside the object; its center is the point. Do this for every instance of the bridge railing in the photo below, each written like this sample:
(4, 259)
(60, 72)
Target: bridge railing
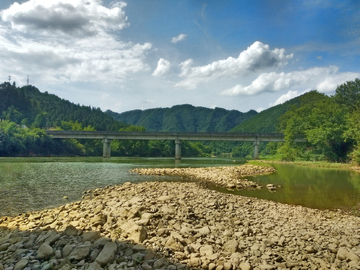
(108, 136)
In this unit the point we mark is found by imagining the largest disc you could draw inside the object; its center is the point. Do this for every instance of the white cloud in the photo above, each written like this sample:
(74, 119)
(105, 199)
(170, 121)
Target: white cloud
(162, 68)
(285, 97)
(255, 58)
(77, 18)
(178, 38)
(323, 79)
(89, 52)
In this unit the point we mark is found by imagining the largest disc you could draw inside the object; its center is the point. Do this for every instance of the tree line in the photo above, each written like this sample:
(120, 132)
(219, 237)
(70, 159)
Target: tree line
(25, 114)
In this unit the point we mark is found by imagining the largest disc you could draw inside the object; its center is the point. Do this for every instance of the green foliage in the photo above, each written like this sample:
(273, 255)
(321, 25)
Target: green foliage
(18, 141)
(44, 110)
(183, 118)
(320, 120)
(348, 94)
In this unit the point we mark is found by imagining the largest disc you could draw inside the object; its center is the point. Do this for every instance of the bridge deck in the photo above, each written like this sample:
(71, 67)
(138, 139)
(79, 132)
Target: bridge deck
(268, 137)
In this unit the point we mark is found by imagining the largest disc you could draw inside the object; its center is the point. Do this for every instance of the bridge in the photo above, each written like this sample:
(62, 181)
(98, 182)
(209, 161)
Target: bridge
(107, 138)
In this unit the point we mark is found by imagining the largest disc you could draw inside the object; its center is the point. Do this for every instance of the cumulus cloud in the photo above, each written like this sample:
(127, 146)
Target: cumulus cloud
(323, 79)
(162, 68)
(178, 38)
(77, 18)
(89, 52)
(285, 97)
(255, 58)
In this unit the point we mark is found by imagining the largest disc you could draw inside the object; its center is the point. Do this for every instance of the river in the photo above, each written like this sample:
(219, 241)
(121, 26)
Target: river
(28, 184)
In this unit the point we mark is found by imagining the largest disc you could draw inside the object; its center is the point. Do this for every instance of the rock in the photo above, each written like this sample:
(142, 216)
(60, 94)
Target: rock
(97, 220)
(271, 187)
(89, 236)
(70, 230)
(310, 249)
(67, 250)
(227, 266)
(134, 232)
(174, 244)
(245, 266)
(107, 254)
(342, 253)
(44, 252)
(194, 262)
(206, 250)
(80, 252)
(21, 264)
(205, 230)
(231, 246)
(94, 266)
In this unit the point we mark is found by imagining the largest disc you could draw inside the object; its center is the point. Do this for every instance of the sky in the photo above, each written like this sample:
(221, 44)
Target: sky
(141, 54)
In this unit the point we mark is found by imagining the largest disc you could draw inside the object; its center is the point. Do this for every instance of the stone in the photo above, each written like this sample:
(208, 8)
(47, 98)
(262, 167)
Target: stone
(245, 266)
(194, 262)
(227, 266)
(107, 254)
(94, 266)
(67, 250)
(80, 252)
(97, 220)
(342, 253)
(21, 264)
(44, 252)
(134, 232)
(89, 236)
(70, 230)
(231, 246)
(206, 250)
(174, 244)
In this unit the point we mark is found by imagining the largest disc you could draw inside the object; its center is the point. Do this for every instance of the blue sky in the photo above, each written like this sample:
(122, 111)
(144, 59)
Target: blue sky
(140, 54)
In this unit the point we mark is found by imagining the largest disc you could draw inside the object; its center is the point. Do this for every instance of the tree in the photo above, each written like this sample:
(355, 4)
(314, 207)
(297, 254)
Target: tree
(348, 94)
(321, 121)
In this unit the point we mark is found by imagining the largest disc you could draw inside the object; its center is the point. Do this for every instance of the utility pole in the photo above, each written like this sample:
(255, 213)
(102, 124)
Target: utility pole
(9, 79)
(27, 81)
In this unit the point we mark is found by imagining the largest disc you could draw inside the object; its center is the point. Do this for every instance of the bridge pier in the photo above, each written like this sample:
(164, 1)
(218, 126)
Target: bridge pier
(256, 149)
(106, 148)
(177, 149)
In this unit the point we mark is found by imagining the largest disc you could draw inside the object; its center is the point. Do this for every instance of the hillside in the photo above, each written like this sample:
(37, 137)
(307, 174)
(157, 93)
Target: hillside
(268, 120)
(184, 118)
(27, 105)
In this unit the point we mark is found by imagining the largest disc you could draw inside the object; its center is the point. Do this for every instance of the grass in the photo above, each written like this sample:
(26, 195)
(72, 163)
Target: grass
(258, 163)
(322, 164)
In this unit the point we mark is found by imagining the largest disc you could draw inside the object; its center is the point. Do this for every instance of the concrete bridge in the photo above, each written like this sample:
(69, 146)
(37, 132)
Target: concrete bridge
(107, 138)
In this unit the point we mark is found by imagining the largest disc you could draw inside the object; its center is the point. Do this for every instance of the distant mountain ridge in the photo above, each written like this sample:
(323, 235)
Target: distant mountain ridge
(184, 118)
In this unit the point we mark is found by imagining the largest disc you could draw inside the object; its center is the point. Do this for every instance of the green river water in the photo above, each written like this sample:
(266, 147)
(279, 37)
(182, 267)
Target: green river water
(28, 184)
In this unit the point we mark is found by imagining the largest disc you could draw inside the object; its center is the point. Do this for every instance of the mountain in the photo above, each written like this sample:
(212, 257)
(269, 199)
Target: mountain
(268, 120)
(27, 105)
(184, 118)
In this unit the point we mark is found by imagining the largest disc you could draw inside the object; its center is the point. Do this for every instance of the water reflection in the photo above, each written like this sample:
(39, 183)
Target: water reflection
(312, 187)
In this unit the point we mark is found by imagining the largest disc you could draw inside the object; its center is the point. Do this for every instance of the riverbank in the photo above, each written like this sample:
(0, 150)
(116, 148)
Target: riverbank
(162, 225)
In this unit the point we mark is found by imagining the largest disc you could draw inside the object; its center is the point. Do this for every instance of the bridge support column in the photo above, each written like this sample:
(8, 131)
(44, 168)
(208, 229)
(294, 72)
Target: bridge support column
(177, 149)
(256, 149)
(106, 148)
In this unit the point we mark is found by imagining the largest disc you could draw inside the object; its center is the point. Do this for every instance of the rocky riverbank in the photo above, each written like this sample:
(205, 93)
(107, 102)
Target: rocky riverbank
(161, 225)
(229, 177)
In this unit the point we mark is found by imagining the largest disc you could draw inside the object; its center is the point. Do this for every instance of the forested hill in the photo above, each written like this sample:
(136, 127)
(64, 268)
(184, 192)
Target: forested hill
(184, 118)
(28, 106)
(268, 120)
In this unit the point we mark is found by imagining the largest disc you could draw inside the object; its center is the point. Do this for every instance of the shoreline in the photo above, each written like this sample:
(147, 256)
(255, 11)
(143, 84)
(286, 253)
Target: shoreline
(177, 225)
